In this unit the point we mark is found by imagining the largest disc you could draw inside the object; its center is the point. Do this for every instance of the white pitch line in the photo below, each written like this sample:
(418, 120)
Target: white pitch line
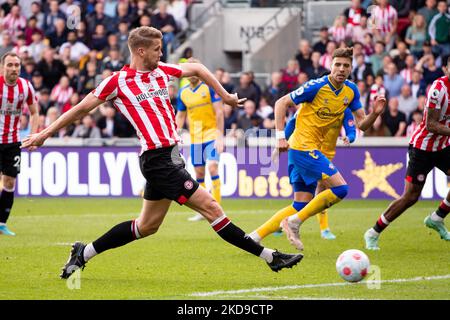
(308, 286)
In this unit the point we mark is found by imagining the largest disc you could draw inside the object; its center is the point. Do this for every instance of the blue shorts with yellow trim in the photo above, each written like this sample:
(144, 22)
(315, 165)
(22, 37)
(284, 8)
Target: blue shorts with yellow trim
(308, 167)
(200, 152)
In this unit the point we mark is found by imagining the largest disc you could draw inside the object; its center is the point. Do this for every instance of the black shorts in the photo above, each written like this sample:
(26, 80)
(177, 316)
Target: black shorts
(164, 170)
(10, 159)
(422, 162)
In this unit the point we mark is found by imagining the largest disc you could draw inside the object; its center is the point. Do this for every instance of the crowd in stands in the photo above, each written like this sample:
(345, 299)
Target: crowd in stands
(68, 47)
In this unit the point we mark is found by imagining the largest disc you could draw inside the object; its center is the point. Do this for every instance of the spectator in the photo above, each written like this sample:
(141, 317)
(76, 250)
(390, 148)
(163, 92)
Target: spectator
(417, 118)
(354, 14)
(82, 33)
(52, 115)
(246, 89)
(358, 33)
(44, 101)
(178, 8)
(36, 47)
(51, 69)
(245, 120)
(393, 81)
(256, 85)
(139, 9)
(29, 67)
(325, 59)
(109, 124)
(304, 54)
(72, 73)
(123, 15)
(265, 109)
(77, 48)
(110, 8)
(51, 16)
(36, 11)
(439, 30)
(430, 71)
(416, 35)
(395, 119)
(88, 78)
(377, 58)
(290, 75)
(67, 7)
(226, 82)
(363, 94)
(37, 81)
(165, 22)
(338, 31)
(376, 89)
(403, 8)
(113, 61)
(321, 45)
(31, 29)
(145, 21)
(316, 70)
(368, 46)
(7, 44)
(61, 93)
(87, 129)
(73, 101)
(59, 35)
(230, 120)
(407, 72)
(15, 23)
(24, 126)
(276, 89)
(428, 50)
(302, 79)
(418, 86)
(384, 18)
(378, 129)
(98, 17)
(362, 69)
(429, 11)
(122, 38)
(400, 55)
(407, 103)
(99, 38)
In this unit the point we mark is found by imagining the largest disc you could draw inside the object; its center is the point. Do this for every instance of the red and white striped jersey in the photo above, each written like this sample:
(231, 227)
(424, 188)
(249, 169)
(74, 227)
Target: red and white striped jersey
(325, 61)
(438, 99)
(407, 74)
(14, 25)
(13, 100)
(383, 18)
(60, 95)
(338, 34)
(143, 98)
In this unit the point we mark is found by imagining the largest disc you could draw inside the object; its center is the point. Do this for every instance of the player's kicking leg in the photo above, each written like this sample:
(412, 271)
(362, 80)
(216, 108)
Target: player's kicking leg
(336, 190)
(202, 202)
(435, 220)
(151, 217)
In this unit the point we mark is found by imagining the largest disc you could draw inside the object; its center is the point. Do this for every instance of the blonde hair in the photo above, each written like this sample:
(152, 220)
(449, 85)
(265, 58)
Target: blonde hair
(143, 37)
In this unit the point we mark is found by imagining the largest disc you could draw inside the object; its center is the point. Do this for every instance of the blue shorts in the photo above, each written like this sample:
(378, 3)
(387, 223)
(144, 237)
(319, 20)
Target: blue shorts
(201, 152)
(307, 167)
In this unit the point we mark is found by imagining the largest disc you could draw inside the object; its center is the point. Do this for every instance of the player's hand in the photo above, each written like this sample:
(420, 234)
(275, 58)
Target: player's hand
(219, 145)
(33, 141)
(282, 145)
(234, 101)
(346, 141)
(379, 104)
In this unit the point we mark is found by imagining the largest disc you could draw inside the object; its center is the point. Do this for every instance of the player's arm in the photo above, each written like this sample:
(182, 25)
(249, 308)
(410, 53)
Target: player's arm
(180, 118)
(281, 107)
(349, 126)
(34, 117)
(199, 70)
(89, 103)
(364, 121)
(433, 124)
(290, 126)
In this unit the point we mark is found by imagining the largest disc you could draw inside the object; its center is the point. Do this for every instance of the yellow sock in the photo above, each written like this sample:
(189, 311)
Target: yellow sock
(320, 202)
(215, 190)
(323, 220)
(202, 184)
(273, 224)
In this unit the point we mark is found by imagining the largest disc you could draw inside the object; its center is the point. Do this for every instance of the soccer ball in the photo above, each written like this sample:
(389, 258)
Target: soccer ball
(352, 265)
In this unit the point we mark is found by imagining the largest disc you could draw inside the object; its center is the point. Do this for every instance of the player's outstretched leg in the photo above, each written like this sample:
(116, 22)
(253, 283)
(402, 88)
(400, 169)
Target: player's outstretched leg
(325, 231)
(151, 217)
(395, 209)
(320, 202)
(6, 203)
(202, 202)
(435, 220)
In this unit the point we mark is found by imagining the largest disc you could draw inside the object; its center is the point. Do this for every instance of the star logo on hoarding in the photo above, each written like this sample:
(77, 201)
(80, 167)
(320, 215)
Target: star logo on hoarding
(375, 176)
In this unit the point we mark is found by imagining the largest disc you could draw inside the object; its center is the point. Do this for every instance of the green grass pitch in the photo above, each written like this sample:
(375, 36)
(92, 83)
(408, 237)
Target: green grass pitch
(187, 260)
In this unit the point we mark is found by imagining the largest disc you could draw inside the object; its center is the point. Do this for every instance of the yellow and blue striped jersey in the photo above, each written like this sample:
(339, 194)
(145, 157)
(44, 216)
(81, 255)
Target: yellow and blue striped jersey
(321, 110)
(198, 102)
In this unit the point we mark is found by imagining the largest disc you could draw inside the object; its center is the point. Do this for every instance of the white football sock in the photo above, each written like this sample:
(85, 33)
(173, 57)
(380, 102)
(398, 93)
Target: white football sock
(434, 216)
(255, 236)
(89, 252)
(373, 233)
(266, 254)
(294, 219)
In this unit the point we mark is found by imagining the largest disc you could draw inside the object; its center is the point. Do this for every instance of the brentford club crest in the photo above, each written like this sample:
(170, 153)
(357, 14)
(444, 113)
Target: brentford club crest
(188, 185)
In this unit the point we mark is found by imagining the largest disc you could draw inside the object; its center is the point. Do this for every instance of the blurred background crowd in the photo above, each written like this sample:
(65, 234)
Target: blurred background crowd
(69, 47)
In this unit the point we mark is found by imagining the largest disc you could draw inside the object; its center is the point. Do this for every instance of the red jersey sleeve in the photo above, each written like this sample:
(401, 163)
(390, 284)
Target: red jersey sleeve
(171, 69)
(31, 98)
(436, 95)
(107, 89)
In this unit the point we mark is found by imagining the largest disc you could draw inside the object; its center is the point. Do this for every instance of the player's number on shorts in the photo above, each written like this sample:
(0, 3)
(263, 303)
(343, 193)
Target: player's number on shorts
(17, 162)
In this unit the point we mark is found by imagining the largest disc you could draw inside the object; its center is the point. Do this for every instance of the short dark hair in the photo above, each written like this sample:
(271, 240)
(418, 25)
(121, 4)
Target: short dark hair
(8, 54)
(343, 53)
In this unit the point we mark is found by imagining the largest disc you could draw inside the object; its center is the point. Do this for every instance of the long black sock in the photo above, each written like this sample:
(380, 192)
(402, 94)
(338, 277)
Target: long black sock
(234, 235)
(6, 203)
(118, 236)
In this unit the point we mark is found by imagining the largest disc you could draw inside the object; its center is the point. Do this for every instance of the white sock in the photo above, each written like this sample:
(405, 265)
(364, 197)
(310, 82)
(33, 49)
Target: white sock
(266, 254)
(2, 224)
(373, 233)
(89, 252)
(434, 216)
(295, 219)
(255, 236)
